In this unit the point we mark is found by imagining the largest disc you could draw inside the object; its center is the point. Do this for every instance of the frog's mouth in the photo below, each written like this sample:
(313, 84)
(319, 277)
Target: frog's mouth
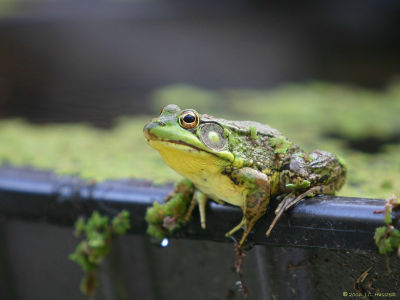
(154, 141)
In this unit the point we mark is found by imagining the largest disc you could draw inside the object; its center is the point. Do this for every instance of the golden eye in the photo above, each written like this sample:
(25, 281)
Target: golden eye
(189, 119)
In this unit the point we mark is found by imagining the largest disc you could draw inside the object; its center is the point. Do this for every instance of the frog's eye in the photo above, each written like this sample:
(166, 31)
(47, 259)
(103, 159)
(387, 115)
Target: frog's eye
(189, 119)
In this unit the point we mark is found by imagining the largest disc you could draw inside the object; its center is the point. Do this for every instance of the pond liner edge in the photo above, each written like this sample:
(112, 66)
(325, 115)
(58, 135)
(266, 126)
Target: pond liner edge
(330, 222)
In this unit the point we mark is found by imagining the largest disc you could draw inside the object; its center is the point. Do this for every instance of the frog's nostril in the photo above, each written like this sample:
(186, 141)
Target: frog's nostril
(153, 125)
(149, 126)
(156, 121)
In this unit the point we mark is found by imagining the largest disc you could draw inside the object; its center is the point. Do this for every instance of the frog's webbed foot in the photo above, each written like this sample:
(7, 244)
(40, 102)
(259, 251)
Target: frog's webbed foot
(200, 199)
(291, 199)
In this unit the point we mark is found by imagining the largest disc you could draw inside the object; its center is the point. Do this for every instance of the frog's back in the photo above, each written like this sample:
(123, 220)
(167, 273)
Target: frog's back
(259, 146)
(244, 127)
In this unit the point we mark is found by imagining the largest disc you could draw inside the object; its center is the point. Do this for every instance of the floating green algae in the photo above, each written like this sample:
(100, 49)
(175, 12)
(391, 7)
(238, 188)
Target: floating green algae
(83, 150)
(308, 114)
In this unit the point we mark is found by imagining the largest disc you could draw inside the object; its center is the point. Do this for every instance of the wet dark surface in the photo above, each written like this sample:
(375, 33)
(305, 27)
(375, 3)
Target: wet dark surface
(38, 210)
(323, 221)
(186, 268)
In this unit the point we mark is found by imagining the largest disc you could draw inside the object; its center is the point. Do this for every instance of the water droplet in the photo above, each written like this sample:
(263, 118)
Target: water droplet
(164, 242)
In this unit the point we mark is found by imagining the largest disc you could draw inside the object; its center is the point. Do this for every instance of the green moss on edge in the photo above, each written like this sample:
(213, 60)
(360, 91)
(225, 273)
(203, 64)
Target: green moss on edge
(97, 233)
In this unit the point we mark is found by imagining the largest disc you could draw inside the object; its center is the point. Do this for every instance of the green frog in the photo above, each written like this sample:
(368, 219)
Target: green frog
(242, 163)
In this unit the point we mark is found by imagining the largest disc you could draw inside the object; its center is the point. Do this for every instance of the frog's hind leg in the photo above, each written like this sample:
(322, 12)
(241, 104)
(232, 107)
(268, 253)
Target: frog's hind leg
(236, 228)
(321, 189)
(291, 199)
(279, 211)
(255, 200)
(250, 217)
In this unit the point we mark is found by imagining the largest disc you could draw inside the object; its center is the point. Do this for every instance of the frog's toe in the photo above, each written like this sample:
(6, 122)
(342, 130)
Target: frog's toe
(236, 228)
(203, 224)
(283, 204)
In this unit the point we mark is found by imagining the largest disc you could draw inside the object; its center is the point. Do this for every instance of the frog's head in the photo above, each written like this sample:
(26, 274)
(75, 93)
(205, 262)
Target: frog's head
(183, 138)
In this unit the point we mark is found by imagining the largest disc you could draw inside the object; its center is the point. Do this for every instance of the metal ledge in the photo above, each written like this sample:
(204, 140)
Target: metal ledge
(324, 221)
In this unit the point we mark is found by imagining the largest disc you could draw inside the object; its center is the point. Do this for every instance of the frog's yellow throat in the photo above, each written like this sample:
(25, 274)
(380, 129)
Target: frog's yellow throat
(186, 160)
(202, 168)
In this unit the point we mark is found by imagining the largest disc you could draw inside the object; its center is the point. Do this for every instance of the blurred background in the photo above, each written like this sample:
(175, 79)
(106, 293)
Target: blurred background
(70, 60)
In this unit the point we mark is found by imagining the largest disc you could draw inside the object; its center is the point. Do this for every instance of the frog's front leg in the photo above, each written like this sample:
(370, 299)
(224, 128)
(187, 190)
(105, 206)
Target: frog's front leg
(200, 199)
(256, 194)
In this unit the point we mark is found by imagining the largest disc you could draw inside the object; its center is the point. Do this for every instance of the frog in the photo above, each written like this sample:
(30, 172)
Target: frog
(241, 163)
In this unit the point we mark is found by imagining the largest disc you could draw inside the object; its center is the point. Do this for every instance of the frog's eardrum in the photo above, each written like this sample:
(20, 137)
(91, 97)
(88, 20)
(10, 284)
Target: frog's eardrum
(212, 135)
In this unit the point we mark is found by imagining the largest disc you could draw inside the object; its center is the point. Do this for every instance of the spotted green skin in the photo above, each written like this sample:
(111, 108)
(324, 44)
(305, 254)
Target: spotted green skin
(257, 163)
